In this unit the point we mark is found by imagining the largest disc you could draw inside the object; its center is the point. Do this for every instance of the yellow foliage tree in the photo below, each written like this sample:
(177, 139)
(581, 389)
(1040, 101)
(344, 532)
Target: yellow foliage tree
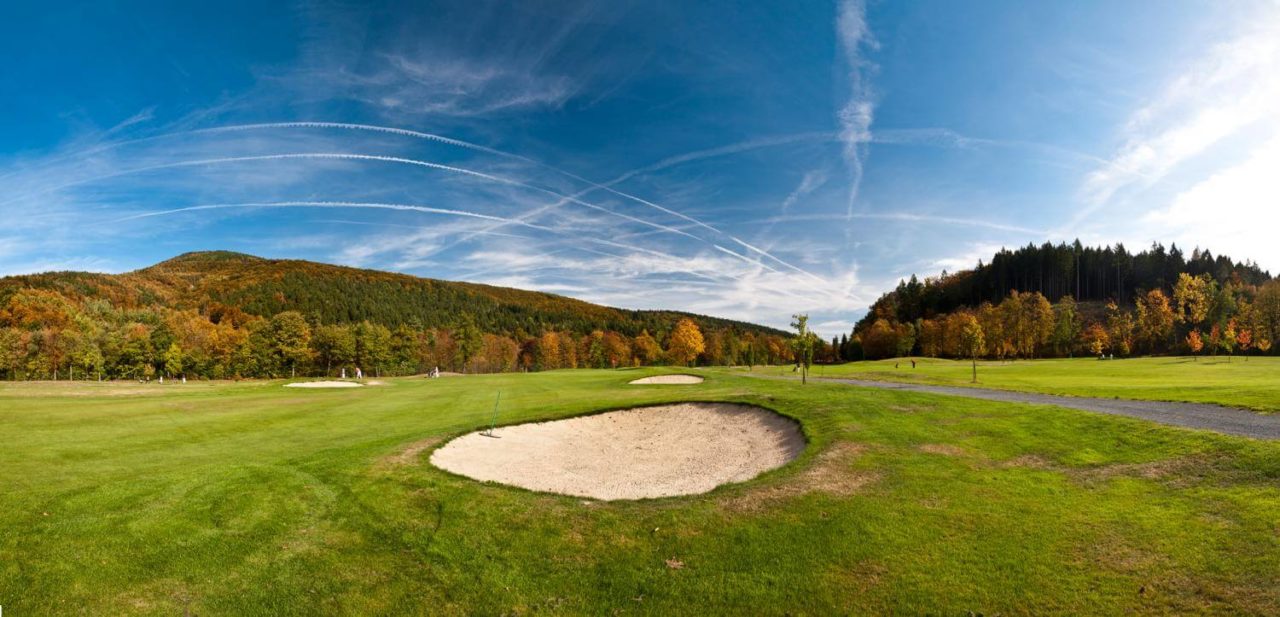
(686, 342)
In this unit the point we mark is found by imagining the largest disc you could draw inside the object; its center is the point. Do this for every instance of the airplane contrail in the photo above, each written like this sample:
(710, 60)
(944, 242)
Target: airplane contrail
(424, 209)
(575, 198)
(665, 163)
(359, 157)
(333, 204)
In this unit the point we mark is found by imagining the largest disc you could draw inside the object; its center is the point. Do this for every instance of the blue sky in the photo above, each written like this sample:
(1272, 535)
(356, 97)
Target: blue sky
(748, 160)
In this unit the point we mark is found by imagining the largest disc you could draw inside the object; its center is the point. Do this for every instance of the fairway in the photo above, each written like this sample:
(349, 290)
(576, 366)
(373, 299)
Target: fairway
(1252, 383)
(253, 499)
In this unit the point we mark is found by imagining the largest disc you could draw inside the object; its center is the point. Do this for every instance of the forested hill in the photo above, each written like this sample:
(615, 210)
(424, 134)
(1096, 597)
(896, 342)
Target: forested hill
(1098, 274)
(223, 283)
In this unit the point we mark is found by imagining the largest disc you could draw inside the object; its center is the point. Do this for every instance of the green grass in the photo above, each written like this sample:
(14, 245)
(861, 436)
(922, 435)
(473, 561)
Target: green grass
(254, 499)
(1252, 384)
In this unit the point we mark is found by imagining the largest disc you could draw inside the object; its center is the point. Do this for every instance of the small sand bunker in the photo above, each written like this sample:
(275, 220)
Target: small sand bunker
(666, 379)
(681, 449)
(324, 384)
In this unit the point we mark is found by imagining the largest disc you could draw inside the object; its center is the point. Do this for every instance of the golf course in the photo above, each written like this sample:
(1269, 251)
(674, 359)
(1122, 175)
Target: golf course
(252, 498)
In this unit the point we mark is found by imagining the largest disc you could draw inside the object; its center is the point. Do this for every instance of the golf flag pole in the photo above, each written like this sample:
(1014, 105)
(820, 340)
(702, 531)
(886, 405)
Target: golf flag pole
(493, 423)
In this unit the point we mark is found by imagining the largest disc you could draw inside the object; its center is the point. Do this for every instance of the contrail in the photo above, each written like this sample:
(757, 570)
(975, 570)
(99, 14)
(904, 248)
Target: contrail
(358, 157)
(678, 160)
(663, 164)
(563, 199)
(424, 209)
(333, 204)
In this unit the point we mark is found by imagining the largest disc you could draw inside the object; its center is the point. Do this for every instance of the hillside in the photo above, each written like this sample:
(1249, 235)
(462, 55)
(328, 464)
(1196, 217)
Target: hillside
(342, 295)
(205, 309)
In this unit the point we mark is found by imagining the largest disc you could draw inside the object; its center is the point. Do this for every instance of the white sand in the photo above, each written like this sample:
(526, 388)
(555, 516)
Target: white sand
(681, 449)
(667, 379)
(324, 384)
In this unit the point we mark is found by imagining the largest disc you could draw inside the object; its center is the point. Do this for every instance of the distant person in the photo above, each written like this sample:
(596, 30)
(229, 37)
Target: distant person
(913, 364)
(895, 365)
(359, 373)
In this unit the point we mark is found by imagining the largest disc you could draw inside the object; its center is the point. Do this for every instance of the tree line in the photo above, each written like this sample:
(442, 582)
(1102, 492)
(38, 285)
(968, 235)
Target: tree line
(1197, 314)
(45, 335)
(1086, 274)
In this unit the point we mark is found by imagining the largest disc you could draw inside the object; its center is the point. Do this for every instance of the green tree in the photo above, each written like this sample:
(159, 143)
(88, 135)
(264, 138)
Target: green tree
(173, 359)
(373, 346)
(334, 345)
(803, 344)
(290, 340)
(1066, 326)
(972, 341)
(469, 339)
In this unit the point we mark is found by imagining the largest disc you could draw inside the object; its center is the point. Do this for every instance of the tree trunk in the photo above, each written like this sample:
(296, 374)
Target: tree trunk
(975, 369)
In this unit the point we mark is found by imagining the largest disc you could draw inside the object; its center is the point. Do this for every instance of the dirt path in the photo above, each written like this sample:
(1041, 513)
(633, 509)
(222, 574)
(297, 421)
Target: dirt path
(1228, 420)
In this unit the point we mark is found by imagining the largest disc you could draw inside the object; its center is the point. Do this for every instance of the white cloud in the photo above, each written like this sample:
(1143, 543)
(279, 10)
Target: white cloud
(1232, 92)
(1234, 211)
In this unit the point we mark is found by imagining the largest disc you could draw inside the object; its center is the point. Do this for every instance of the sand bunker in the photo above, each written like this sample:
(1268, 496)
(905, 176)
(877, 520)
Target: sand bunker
(666, 379)
(681, 449)
(324, 384)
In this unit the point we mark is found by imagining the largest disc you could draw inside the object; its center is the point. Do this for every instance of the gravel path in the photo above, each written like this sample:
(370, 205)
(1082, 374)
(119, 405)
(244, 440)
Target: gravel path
(1228, 420)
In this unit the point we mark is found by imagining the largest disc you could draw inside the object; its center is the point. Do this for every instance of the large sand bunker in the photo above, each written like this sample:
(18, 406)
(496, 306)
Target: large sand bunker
(680, 449)
(324, 384)
(666, 379)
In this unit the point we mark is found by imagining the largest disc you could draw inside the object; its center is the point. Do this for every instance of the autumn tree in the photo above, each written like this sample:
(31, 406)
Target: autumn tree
(1095, 339)
(930, 337)
(1266, 312)
(616, 350)
(1244, 339)
(547, 352)
(685, 342)
(880, 340)
(646, 348)
(1155, 319)
(1192, 296)
(1120, 328)
(1038, 316)
(1195, 343)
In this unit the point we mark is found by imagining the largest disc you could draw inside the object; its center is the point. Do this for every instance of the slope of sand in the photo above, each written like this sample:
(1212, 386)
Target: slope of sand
(680, 449)
(324, 384)
(666, 379)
